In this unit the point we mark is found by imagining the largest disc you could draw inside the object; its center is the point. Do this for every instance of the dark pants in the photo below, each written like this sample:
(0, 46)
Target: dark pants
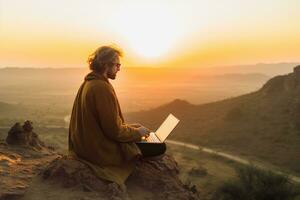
(152, 149)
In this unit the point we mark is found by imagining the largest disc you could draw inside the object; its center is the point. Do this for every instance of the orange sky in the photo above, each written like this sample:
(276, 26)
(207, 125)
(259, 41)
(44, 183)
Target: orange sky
(151, 33)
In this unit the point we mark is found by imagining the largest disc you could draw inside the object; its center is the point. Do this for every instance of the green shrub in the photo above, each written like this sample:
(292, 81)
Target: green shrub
(256, 184)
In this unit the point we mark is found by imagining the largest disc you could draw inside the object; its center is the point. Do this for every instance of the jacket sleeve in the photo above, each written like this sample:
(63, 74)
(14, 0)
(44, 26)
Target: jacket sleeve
(109, 118)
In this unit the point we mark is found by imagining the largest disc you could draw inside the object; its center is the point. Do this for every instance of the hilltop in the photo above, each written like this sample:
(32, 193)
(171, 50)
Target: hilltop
(29, 169)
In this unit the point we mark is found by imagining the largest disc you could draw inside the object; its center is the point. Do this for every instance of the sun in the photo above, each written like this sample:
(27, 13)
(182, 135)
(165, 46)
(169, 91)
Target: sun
(149, 32)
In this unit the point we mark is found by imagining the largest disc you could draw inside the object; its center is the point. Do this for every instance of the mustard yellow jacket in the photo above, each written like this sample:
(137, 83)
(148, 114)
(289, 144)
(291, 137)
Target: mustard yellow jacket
(98, 135)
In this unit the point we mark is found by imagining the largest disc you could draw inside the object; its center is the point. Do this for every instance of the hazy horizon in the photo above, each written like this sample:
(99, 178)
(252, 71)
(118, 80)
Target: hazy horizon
(178, 34)
(137, 88)
(156, 67)
(268, 69)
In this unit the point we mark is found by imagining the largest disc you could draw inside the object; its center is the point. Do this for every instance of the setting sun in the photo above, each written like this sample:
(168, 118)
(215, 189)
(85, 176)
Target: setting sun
(149, 30)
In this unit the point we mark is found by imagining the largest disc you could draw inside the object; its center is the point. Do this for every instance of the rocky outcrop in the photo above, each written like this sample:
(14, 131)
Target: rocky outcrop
(18, 165)
(22, 156)
(153, 178)
(159, 175)
(283, 83)
(297, 70)
(68, 172)
(24, 135)
(30, 170)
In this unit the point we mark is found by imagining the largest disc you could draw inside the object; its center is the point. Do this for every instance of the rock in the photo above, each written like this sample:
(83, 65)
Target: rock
(155, 177)
(22, 156)
(23, 135)
(18, 165)
(70, 173)
(297, 70)
(160, 176)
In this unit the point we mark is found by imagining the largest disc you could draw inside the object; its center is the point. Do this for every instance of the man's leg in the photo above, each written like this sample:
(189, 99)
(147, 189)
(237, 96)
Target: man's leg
(152, 149)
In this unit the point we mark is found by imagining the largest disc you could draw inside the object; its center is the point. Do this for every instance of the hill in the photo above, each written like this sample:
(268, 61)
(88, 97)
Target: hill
(262, 125)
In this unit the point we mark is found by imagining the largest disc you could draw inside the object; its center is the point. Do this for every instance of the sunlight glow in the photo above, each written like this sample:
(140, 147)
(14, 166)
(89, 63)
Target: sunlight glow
(148, 32)
(151, 33)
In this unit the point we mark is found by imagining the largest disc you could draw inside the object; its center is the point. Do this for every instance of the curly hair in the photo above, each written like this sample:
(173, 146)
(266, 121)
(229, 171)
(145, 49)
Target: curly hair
(103, 55)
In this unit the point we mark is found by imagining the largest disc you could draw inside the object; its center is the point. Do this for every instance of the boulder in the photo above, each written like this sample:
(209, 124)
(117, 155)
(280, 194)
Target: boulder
(159, 175)
(24, 135)
(153, 178)
(71, 173)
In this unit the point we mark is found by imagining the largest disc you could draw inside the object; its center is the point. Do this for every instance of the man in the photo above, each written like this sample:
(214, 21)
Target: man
(98, 134)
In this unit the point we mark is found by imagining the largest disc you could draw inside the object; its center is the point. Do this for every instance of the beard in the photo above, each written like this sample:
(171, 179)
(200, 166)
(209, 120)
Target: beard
(111, 74)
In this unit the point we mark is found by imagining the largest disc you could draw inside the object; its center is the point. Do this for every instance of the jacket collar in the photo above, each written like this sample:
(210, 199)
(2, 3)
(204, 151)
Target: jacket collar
(95, 76)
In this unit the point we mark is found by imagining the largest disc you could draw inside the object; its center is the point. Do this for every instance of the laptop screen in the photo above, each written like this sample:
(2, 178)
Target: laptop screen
(166, 127)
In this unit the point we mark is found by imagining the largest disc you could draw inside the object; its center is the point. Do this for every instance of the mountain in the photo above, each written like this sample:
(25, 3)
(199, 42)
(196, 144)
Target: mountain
(263, 125)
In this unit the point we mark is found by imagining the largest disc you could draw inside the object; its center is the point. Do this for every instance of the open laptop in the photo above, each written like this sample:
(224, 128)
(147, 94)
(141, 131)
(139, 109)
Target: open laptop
(163, 131)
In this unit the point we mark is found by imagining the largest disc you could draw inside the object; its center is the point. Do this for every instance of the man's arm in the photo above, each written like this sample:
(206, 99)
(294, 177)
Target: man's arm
(109, 119)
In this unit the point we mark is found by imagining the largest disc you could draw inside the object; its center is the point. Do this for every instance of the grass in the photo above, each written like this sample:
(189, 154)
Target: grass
(203, 170)
(220, 179)
(256, 184)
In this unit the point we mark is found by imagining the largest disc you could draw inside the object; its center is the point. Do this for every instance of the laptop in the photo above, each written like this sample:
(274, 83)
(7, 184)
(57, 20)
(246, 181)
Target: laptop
(163, 131)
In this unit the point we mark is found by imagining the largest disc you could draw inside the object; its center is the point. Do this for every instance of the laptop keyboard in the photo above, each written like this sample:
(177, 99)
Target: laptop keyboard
(152, 138)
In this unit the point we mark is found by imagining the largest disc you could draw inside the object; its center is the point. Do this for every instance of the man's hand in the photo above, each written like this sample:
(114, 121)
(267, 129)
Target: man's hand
(144, 131)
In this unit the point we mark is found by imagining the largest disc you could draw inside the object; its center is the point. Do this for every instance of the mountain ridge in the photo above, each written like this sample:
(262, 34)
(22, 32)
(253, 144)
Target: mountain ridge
(264, 124)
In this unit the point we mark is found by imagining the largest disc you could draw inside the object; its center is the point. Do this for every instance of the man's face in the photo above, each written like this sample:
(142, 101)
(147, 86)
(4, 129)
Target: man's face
(112, 71)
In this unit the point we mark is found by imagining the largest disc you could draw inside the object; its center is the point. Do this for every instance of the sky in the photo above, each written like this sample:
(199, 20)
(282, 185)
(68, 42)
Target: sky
(156, 33)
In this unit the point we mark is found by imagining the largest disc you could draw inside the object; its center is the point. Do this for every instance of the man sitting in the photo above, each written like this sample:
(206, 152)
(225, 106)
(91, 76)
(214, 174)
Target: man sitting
(98, 134)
